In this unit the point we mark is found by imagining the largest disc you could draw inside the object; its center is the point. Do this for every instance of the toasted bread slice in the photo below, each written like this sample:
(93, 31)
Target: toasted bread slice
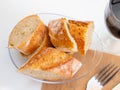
(27, 35)
(51, 64)
(60, 35)
(45, 44)
(82, 33)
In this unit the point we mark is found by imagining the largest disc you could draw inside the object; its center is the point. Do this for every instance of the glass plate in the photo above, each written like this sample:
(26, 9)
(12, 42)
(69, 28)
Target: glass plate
(89, 62)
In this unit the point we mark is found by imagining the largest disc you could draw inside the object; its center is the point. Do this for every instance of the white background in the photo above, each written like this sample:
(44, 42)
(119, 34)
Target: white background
(11, 11)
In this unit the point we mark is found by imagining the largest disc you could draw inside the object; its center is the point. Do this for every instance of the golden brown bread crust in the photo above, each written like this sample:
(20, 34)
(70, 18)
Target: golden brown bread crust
(79, 31)
(30, 44)
(59, 35)
(68, 69)
(46, 41)
(48, 58)
(51, 64)
(44, 44)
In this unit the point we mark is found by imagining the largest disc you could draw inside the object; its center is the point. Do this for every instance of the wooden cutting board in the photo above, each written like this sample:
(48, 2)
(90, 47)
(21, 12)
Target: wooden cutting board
(81, 84)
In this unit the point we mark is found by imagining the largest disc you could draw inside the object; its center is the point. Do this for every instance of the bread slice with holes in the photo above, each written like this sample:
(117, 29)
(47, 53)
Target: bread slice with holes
(82, 34)
(27, 35)
(51, 64)
(60, 35)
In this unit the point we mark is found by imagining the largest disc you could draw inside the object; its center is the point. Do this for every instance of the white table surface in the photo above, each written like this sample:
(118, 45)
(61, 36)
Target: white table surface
(11, 11)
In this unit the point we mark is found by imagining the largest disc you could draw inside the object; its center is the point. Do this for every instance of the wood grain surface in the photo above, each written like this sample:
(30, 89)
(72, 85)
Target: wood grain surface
(81, 84)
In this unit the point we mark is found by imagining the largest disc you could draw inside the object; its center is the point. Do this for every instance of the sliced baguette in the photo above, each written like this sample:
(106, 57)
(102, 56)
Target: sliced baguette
(60, 35)
(82, 33)
(51, 64)
(27, 35)
(45, 44)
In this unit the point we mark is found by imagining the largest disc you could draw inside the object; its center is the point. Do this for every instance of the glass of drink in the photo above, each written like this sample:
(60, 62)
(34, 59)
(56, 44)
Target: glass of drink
(112, 20)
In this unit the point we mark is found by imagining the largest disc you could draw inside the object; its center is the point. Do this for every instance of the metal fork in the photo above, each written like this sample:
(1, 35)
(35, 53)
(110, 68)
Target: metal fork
(103, 77)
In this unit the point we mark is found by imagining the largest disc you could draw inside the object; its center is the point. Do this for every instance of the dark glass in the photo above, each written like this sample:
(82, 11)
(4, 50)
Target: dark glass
(113, 30)
(112, 18)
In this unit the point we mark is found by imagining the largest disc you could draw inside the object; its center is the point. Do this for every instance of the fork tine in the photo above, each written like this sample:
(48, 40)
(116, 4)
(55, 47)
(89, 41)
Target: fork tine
(103, 71)
(110, 76)
(105, 75)
(107, 71)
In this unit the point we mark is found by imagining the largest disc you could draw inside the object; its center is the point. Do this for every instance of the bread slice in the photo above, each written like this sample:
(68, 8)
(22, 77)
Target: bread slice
(45, 44)
(60, 35)
(82, 33)
(51, 64)
(27, 35)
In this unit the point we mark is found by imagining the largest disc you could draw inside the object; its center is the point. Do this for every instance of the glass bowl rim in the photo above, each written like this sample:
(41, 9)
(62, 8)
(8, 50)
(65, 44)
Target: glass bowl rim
(66, 80)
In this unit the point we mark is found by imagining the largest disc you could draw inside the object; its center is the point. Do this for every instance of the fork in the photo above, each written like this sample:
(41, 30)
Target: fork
(103, 77)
